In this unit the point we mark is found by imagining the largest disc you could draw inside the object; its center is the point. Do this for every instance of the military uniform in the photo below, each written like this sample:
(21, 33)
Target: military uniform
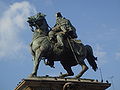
(62, 27)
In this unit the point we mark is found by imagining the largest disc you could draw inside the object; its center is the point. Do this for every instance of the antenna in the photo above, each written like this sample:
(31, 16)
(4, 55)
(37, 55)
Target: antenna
(112, 82)
(101, 75)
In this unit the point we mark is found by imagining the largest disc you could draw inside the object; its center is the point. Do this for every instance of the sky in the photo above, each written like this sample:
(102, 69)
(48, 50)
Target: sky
(97, 23)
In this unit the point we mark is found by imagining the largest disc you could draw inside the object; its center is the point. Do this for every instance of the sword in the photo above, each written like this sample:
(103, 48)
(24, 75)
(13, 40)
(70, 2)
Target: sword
(72, 50)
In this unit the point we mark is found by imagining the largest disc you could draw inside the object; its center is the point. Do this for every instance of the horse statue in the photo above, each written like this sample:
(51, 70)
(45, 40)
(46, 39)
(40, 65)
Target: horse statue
(72, 54)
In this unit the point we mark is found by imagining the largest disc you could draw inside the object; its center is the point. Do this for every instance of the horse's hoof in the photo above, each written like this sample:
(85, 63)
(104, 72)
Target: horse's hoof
(63, 75)
(78, 76)
(32, 75)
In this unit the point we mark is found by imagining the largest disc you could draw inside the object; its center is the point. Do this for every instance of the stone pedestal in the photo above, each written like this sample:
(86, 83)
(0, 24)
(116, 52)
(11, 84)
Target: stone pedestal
(53, 83)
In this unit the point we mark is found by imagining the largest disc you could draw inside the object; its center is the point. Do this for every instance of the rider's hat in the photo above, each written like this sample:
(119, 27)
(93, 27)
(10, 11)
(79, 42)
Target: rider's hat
(58, 14)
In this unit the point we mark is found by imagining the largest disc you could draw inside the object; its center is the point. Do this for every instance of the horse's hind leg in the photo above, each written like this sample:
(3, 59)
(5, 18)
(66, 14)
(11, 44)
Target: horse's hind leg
(69, 71)
(84, 69)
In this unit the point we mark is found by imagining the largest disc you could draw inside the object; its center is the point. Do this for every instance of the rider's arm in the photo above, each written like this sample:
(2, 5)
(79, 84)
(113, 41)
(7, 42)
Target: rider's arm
(63, 28)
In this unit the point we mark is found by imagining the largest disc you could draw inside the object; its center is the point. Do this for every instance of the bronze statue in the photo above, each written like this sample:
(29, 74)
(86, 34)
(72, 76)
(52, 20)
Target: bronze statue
(71, 53)
(62, 27)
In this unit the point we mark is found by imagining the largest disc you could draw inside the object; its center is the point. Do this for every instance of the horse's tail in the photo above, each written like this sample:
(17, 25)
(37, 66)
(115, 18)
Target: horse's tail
(91, 58)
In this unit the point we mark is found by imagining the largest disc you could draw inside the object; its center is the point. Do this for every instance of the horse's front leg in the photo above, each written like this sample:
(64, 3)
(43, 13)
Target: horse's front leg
(37, 59)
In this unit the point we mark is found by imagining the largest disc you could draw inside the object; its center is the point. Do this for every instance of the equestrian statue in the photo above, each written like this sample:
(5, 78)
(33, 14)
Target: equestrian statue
(58, 44)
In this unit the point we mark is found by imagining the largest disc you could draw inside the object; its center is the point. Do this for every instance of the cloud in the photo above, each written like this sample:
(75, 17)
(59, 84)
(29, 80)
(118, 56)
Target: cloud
(117, 55)
(101, 55)
(12, 23)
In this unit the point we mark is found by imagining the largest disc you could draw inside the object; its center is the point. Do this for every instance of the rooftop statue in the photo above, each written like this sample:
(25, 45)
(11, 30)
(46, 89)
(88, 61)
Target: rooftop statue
(58, 44)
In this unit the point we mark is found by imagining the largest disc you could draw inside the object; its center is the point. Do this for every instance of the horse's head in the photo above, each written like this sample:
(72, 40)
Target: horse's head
(36, 20)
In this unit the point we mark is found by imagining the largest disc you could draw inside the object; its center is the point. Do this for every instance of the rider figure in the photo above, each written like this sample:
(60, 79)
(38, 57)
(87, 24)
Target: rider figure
(62, 27)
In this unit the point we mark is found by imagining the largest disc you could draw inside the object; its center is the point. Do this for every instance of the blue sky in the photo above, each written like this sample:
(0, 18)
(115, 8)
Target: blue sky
(97, 23)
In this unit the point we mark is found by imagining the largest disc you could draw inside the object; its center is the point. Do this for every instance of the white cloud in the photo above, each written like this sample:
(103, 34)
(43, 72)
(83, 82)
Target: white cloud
(12, 23)
(101, 55)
